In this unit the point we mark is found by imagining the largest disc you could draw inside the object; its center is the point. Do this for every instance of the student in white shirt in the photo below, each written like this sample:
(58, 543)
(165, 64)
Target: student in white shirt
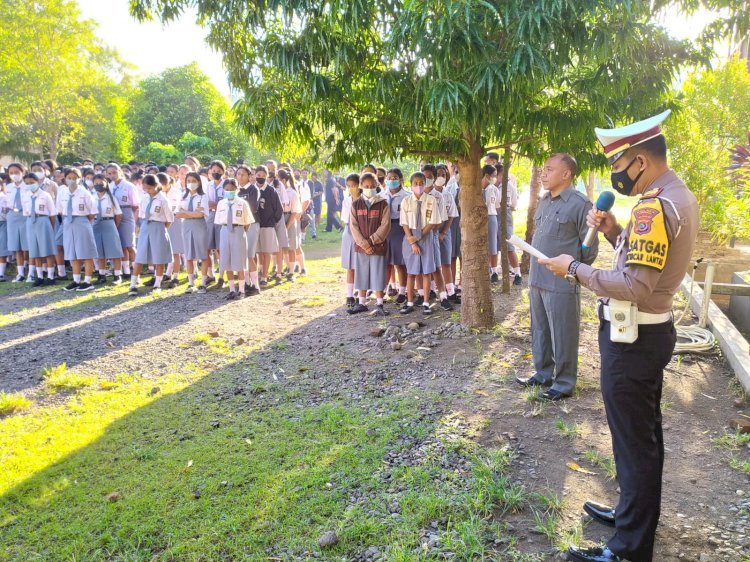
(154, 246)
(4, 253)
(194, 215)
(76, 205)
(441, 259)
(515, 269)
(39, 210)
(15, 221)
(348, 254)
(108, 215)
(234, 215)
(174, 196)
(491, 198)
(292, 213)
(395, 194)
(128, 197)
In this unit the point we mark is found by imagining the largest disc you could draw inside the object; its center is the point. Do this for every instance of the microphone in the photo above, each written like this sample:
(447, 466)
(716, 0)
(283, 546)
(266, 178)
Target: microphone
(604, 203)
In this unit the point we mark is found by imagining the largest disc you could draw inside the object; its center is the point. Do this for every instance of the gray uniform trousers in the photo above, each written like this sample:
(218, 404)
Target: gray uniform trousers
(555, 330)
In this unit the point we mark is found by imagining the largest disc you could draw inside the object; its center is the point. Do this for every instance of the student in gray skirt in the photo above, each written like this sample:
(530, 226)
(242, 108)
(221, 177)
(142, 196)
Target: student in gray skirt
(108, 215)
(154, 246)
(370, 224)
(4, 253)
(491, 197)
(174, 196)
(128, 198)
(292, 213)
(270, 213)
(15, 221)
(250, 192)
(194, 214)
(215, 189)
(234, 216)
(39, 210)
(348, 255)
(76, 205)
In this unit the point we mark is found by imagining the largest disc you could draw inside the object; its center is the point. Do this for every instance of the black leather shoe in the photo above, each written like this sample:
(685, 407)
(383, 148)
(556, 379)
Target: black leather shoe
(531, 381)
(596, 554)
(552, 395)
(601, 513)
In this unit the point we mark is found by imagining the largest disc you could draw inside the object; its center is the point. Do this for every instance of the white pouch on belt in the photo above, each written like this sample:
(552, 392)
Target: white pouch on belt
(623, 321)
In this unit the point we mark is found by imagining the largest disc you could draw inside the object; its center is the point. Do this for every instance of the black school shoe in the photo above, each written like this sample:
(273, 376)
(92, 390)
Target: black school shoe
(49, 281)
(426, 310)
(517, 280)
(38, 282)
(357, 308)
(596, 554)
(401, 299)
(253, 291)
(231, 296)
(100, 279)
(84, 287)
(150, 283)
(380, 310)
(455, 298)
(406, 310)
(350, 302)
(494, 278)
(71, 286)
(133, 292)
(419, 300)
(446, 305)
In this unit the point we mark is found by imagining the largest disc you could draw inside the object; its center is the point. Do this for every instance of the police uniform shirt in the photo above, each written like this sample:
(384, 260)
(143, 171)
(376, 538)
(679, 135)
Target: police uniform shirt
(83, 202)
(430, 211)
(200, 203)
(160, 210)
(560, 228)
(44, 204)
(108, 209)
(293, 204)
(395, 200)
(241, 215)
(491, 199)
(654, 249)
(126, 193)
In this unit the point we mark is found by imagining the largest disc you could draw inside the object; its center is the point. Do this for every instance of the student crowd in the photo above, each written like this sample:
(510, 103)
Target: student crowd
(245, 224)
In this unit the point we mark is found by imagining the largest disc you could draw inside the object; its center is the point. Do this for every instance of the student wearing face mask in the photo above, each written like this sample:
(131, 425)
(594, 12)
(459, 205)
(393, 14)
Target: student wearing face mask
(281, 231)
(250, 192)
(154, 245)
(128, 198)
(438, 283)
(194, 214)
(108, 245)
(42, 172)
(491, 198)
(395, 195)
(40, 213)
(234, 215)
(370, 223)
(216, 173)
(348, 255)
(292, 213)
(445, 234)
(270, 213)
(76, 205)
(16, 222)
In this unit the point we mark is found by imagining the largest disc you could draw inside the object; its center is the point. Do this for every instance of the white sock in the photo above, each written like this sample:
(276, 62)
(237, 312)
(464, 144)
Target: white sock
(191, 279)
(118, 272)
(292, 266)
(362, 300)
(232, 286)
(170, 269)
(133, 281)
(102, 272)
(20, 270)
(409, 304)
(61, 270)
(425, 305)
(242, 287)
(443, 295)
(433, 286)
(449, 288)
(50, 272)
(493, 270)
(350, 290)
(402, 290)
(2, 268)
(157, 281)
(87, 279)
(32, 270)
(254, 279)
(76, 278)
(126, 267)
(420, 292)
(379, 301)
(517, 270)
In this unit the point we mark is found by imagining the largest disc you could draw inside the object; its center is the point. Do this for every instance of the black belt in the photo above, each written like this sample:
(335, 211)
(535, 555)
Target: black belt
(106, 219)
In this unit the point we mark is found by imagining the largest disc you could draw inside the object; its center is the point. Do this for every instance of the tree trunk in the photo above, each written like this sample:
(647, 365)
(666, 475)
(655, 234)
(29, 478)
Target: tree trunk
(476, 298)
(534, 187)
(590, 186)
(505, 266)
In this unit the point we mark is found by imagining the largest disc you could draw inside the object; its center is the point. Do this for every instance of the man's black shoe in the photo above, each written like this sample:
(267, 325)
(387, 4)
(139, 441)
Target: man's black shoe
(531, 381)
(601, 513)
(552, 395)
(596, 554)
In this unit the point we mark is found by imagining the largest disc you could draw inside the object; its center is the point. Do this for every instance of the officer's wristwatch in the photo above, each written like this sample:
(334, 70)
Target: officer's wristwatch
(571, 275)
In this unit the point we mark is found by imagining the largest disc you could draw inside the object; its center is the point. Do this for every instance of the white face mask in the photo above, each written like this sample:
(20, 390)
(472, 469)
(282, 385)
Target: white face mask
(89, 183)
(429, 183)
(32, 187)
(192, 186)
(16, 178)
(440, 182)
(71, 183)
(370, 193)
(39, 175)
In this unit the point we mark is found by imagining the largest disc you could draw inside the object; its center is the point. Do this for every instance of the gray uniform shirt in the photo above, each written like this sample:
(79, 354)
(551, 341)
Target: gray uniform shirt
(560, 228)
(651, 289)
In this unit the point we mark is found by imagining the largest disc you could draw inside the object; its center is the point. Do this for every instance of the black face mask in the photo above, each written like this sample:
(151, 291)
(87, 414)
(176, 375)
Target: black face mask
(216, 176)
(260, 181)
(621, 181)
(100, 188)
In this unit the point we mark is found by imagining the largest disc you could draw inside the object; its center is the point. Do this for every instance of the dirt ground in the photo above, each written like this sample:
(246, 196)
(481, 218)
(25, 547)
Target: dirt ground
(705, 503)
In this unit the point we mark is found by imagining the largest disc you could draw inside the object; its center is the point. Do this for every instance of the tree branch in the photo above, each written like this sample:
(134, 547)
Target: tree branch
(429, 153)
(510, 144)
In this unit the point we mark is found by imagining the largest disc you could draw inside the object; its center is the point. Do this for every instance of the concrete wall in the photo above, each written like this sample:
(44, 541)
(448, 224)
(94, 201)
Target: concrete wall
(739, 306)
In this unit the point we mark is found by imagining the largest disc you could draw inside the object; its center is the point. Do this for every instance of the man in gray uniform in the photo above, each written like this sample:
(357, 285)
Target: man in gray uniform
(556, 304)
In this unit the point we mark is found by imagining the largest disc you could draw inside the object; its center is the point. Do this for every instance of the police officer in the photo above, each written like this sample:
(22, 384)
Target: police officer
(555, 303)
(636, 333)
